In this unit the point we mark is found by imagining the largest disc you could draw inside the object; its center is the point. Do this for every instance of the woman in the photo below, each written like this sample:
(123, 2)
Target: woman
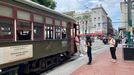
(77, 42)
(112, 48)
(89, 52)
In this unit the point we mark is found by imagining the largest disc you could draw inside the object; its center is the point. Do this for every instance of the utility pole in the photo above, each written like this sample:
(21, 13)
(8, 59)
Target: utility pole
(129, 6)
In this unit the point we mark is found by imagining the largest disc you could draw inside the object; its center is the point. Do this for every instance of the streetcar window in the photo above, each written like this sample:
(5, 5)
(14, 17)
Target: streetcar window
(38, 18)
(6, 29)
(49, 21)
(64, 33)
(38, 31)
(57, 32)
(38, 27)
(23, 30)
(49, 32)
(57, 29)
(23, 35)
(23, 15)
(23, 25)
(6, 11)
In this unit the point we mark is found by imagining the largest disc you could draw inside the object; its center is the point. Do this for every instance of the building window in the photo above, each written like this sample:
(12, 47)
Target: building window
(94, 11)
(103, 17)
(49, 32)
(94, 19)
(98, 18)
(86, 22)
(98, 24)
(6, 29)
(95, 26)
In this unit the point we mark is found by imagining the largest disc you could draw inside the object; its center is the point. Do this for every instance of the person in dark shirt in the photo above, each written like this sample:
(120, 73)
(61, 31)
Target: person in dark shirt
(89, 52)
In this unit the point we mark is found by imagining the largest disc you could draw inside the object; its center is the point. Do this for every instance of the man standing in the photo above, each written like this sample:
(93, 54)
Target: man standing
(89, 52)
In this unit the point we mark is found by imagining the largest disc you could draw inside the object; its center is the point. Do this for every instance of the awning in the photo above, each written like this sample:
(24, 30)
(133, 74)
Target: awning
(100, 34)
(88, 34)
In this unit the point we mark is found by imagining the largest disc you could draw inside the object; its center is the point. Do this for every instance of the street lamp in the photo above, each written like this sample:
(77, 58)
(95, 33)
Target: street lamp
(128, 50)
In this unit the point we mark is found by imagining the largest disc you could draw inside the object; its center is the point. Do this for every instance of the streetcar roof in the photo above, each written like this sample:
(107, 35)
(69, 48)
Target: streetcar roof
(36, 5)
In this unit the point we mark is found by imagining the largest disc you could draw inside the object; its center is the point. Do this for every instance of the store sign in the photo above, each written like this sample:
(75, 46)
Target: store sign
(15, 53)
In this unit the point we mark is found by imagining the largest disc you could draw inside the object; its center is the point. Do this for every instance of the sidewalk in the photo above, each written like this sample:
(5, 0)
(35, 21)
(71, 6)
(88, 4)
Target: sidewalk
(102, 65)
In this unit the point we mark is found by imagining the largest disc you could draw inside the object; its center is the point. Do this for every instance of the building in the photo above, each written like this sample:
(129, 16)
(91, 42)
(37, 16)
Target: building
(85, 21)
(124, 19)
(99, 20)
(110, 29)
(94, 22)
(124, 16)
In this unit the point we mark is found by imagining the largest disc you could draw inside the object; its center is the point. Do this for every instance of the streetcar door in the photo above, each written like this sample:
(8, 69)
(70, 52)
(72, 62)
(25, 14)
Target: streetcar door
(76, 32)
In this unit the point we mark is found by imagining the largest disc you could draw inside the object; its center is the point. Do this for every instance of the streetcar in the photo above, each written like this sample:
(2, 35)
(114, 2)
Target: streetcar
(33, 38)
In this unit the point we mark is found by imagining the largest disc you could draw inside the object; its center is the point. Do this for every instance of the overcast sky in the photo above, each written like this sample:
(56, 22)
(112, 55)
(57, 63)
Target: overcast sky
(112, 7)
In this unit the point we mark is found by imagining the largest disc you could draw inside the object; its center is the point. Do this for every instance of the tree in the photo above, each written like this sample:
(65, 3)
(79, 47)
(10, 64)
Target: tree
(48, 3)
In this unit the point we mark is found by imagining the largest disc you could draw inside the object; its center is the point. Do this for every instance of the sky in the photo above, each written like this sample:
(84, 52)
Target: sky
(112, 7)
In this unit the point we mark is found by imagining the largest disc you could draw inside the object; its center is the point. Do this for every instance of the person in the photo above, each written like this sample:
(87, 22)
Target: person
(89, 52)
(112, 48)
(124, 39)
(63, 34)
(77, 42)
(83, 49)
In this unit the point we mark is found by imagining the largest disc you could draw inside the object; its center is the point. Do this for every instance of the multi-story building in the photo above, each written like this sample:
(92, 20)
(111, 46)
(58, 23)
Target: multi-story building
(99, 20)
(124, 18)
(109, 26)
(85, 21)
(94, 21)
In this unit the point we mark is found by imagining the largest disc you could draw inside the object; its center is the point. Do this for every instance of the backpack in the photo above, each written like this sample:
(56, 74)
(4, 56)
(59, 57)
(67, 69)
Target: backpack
(116, 43)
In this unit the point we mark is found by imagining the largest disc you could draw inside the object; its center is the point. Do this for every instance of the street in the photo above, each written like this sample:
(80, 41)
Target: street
(69, 67)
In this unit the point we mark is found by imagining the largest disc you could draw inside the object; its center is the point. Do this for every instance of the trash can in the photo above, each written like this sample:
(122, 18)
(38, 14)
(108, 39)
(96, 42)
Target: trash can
(128, 52)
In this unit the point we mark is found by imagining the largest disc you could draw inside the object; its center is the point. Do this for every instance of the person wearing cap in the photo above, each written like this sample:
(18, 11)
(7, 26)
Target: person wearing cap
(89, 49)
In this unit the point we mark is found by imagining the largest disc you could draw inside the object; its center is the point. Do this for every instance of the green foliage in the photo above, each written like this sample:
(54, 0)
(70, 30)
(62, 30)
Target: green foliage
(48, 3)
